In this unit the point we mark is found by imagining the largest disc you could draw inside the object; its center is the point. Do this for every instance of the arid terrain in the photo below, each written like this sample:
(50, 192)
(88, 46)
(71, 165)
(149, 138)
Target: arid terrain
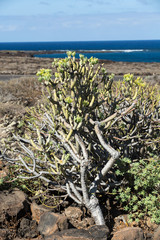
(19, 215)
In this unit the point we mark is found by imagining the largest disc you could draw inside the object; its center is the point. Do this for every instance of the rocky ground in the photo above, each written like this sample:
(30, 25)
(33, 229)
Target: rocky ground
(21, 218)
(21, 215)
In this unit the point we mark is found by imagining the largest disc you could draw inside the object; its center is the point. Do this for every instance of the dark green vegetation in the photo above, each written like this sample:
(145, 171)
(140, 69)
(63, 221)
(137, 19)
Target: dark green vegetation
(93, 136)
(140, 195)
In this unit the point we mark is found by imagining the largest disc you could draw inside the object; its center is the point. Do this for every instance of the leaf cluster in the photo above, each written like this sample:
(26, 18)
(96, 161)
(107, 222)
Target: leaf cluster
(140, 195)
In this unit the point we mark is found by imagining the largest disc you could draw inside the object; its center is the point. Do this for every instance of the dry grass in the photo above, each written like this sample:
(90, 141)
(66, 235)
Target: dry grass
(16, 94)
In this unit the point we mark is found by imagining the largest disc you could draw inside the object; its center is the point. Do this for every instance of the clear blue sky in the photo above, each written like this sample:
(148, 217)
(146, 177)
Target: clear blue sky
(78, 20)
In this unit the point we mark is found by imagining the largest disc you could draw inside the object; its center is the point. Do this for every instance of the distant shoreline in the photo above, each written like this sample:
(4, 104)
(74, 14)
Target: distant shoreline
(36, 54)
(16, 64)
(28, 53)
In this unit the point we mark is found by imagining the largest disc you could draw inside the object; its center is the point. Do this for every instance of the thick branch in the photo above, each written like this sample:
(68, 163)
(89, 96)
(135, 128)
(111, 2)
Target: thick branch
(84, 164)
(114, 155)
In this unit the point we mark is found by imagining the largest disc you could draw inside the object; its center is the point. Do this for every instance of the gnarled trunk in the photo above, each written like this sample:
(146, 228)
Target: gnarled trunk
(95, 210)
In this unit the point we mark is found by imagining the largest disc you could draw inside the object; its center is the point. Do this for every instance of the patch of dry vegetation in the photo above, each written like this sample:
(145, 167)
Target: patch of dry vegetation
(18, 93)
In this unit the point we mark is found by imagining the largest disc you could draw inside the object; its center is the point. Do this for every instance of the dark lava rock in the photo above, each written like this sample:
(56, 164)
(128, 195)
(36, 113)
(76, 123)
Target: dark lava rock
(28, 228)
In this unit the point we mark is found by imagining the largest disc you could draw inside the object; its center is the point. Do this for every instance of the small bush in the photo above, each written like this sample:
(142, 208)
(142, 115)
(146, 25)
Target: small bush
(140, 195)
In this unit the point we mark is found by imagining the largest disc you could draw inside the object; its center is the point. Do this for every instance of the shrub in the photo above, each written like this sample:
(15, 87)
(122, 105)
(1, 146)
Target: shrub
(73, 140)
(140, 196)
(137, 133)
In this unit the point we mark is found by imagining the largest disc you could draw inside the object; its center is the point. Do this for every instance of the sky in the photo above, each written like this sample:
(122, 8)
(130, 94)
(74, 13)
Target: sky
(79, 20)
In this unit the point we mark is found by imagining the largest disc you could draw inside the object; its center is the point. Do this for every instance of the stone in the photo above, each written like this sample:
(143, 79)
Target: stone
(148, 236)
(129, 233)
(38, 238)
(157, 234)
(11, 203)
(100, 232)
(76, 219)
(37, 211)
(27, 228)
(151, 224)
(54, 237)
(73, 213)
(51, 222)
(7, 233)
(71, 234)
(3, 234)
(93, 233)
(86, 222)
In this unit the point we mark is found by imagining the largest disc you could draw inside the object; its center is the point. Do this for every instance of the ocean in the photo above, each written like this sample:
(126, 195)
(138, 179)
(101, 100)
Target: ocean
(126, 51)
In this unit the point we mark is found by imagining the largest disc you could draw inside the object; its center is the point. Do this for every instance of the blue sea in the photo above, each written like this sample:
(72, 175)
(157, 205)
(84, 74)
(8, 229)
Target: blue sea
(126, 51)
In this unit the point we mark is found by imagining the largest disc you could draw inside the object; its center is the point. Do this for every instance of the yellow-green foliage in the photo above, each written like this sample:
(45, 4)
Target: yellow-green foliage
(80, 90)
(137, 133)
(73, 82)
(74, 89)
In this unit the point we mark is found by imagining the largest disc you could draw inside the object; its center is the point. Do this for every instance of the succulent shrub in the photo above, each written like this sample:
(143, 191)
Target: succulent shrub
(137, 133)
(73, 139)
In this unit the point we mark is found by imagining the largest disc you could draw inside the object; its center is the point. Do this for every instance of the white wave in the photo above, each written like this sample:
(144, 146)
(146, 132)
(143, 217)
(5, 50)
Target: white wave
(112, 50)
(98, 51)
(128, 50)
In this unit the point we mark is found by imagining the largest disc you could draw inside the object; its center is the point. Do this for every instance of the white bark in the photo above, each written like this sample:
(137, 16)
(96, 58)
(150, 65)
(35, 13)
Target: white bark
(96, 211)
